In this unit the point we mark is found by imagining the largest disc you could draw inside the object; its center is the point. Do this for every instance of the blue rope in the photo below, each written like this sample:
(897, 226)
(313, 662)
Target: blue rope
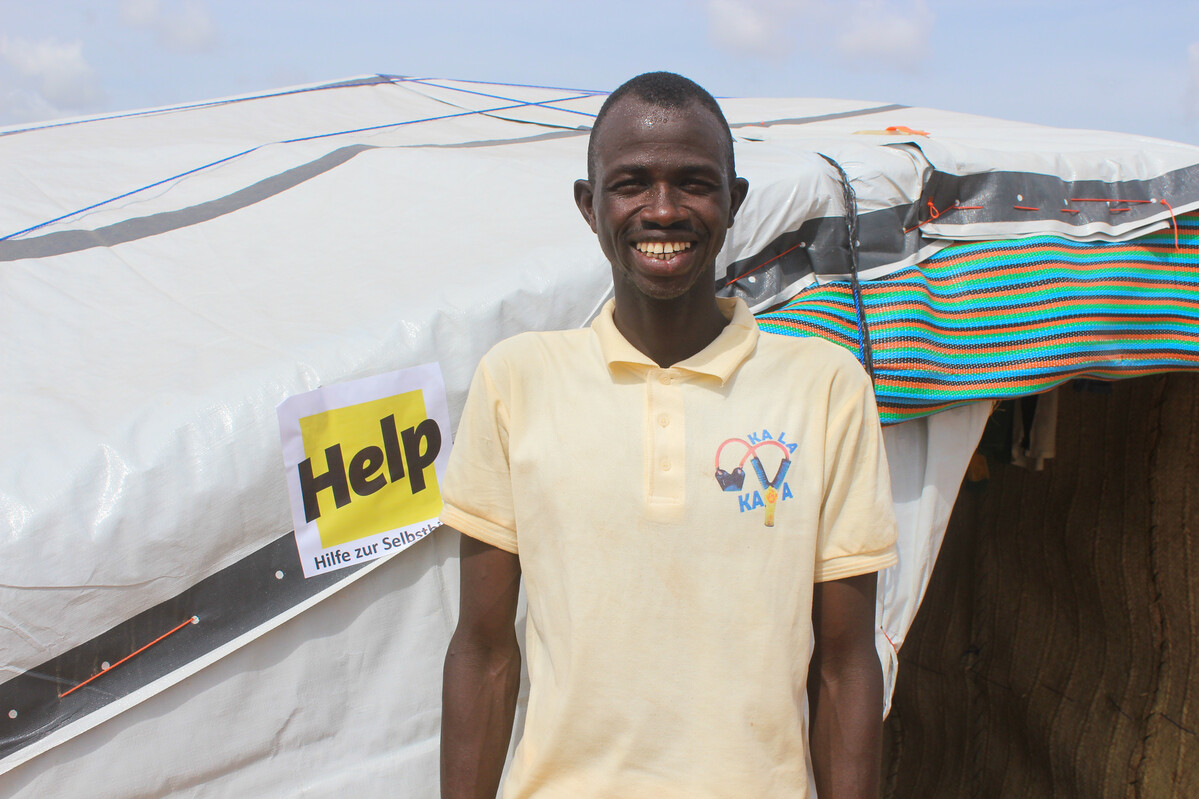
(424, 82)
(187, 107)
(285, 141)
(495, 83)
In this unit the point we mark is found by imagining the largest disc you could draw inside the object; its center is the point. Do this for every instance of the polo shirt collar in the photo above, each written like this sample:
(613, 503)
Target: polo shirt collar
(719, 359)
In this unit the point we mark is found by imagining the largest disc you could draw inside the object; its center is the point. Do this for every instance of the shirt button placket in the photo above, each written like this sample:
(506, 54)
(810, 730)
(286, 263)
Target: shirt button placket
(666, 456)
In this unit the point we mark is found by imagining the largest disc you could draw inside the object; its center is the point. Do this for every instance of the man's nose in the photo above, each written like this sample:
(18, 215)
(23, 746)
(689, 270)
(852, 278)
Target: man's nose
(663, 208)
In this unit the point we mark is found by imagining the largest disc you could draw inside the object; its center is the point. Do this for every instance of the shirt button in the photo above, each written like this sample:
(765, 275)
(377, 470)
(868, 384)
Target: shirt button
(663, 420)
(664, 378)
(666, 465)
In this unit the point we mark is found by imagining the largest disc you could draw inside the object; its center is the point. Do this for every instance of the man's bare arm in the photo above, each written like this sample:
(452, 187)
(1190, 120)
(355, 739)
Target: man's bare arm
(845, 690)
(482, 674)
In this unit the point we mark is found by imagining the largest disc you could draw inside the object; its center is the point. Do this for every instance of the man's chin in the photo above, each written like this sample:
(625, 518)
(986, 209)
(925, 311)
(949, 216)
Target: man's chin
(662, 289)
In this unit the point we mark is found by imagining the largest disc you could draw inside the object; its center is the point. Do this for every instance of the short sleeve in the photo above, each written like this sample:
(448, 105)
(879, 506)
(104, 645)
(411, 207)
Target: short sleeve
(857, 519)
(477, 489)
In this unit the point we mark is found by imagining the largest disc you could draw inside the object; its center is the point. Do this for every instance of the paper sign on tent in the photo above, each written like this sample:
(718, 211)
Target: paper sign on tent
(362, 461)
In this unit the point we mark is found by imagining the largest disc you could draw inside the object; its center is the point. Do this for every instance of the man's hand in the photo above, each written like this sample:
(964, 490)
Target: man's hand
(845, 690)
(482, 674)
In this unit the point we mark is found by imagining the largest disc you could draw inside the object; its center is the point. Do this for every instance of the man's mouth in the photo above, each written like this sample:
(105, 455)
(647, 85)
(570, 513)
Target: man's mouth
(662, 250)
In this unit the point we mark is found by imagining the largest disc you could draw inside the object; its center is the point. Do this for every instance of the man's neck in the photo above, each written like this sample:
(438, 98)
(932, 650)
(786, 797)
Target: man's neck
(669, 331)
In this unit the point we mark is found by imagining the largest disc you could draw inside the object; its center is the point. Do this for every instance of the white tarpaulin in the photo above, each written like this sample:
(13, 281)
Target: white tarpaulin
(168, 277)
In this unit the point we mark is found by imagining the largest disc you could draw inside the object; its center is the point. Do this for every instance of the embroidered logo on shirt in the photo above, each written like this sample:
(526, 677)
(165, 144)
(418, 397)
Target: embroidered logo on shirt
(774, 489)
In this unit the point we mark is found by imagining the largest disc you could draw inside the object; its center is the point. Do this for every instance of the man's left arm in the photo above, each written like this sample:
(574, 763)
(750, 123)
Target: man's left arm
(845, 690)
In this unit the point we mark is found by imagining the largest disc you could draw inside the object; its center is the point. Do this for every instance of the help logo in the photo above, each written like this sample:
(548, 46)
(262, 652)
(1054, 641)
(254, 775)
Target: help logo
(383, 450)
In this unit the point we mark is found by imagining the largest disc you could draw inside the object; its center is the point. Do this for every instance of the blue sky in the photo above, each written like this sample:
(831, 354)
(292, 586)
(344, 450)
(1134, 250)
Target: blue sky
(1110, 65)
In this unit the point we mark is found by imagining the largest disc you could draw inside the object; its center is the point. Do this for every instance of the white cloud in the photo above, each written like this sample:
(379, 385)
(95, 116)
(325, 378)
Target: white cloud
(52, 79)
(185, 25)
(1192, 95)
(886, 32)
(140, 13)
(760, 28)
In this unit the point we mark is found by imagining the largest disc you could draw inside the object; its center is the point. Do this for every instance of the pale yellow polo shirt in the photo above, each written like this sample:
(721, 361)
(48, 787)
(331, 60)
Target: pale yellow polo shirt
(669, 626)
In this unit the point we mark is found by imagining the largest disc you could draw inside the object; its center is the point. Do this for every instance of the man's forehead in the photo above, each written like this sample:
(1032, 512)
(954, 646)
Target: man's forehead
(633, 121)
(645, 112)
(642, 113)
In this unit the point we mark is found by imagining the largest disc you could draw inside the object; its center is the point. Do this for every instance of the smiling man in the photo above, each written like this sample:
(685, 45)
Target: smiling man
(697, 511)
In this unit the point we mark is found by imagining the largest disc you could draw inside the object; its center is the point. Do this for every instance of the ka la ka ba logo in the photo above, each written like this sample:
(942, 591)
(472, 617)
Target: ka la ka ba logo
(384, 450)
(759, 449)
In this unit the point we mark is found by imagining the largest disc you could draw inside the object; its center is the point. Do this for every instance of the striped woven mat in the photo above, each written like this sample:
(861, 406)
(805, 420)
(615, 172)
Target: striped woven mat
(998, 319)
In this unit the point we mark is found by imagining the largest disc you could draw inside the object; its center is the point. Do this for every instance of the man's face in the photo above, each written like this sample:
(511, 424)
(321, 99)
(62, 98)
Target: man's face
(662, 196)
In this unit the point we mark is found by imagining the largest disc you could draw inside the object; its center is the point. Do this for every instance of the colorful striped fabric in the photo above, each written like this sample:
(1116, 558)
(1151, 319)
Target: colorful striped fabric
(998, 319)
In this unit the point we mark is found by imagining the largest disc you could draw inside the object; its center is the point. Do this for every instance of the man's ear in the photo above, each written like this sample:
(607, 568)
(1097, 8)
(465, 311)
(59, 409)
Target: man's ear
(584, 197)
(737, 193)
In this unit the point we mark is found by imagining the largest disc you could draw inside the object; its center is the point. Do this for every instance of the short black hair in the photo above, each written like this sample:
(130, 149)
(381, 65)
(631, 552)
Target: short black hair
(663, 90)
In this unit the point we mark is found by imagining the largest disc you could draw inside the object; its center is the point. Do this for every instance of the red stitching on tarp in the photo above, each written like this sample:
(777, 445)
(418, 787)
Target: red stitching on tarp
(767, 263)
(192, 620)
(1102, 200)
(1025, 208)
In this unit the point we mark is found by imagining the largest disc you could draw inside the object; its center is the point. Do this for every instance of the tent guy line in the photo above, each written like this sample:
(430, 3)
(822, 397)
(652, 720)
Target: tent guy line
(127, 230)
(513, 99)
(297, 140)
(375, 80)
(195, 106)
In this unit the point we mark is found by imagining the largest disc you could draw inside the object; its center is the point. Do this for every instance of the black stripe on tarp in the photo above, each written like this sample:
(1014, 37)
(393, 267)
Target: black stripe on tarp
(1000, 192)
(889, 235)
(819, 246)
(230, 603)
(860, 112)
(68, 241)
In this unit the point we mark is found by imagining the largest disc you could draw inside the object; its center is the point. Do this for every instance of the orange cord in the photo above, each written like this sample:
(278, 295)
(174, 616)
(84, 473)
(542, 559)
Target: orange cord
(1025, 208)
(933, 213)
(767, 263)
(1173, 221)
(192, 620)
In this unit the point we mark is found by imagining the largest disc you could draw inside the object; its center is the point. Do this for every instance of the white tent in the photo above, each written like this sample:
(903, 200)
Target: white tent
(169, 276)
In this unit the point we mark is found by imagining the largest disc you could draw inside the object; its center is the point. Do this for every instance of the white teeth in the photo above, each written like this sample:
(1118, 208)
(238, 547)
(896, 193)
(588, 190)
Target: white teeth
(662, 249)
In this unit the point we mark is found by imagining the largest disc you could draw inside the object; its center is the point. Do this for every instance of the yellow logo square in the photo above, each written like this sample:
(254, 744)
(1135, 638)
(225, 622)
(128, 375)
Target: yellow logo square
(369, 468)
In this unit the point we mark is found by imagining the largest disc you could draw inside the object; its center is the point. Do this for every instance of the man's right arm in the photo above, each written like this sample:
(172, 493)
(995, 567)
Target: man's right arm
(482, 674)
